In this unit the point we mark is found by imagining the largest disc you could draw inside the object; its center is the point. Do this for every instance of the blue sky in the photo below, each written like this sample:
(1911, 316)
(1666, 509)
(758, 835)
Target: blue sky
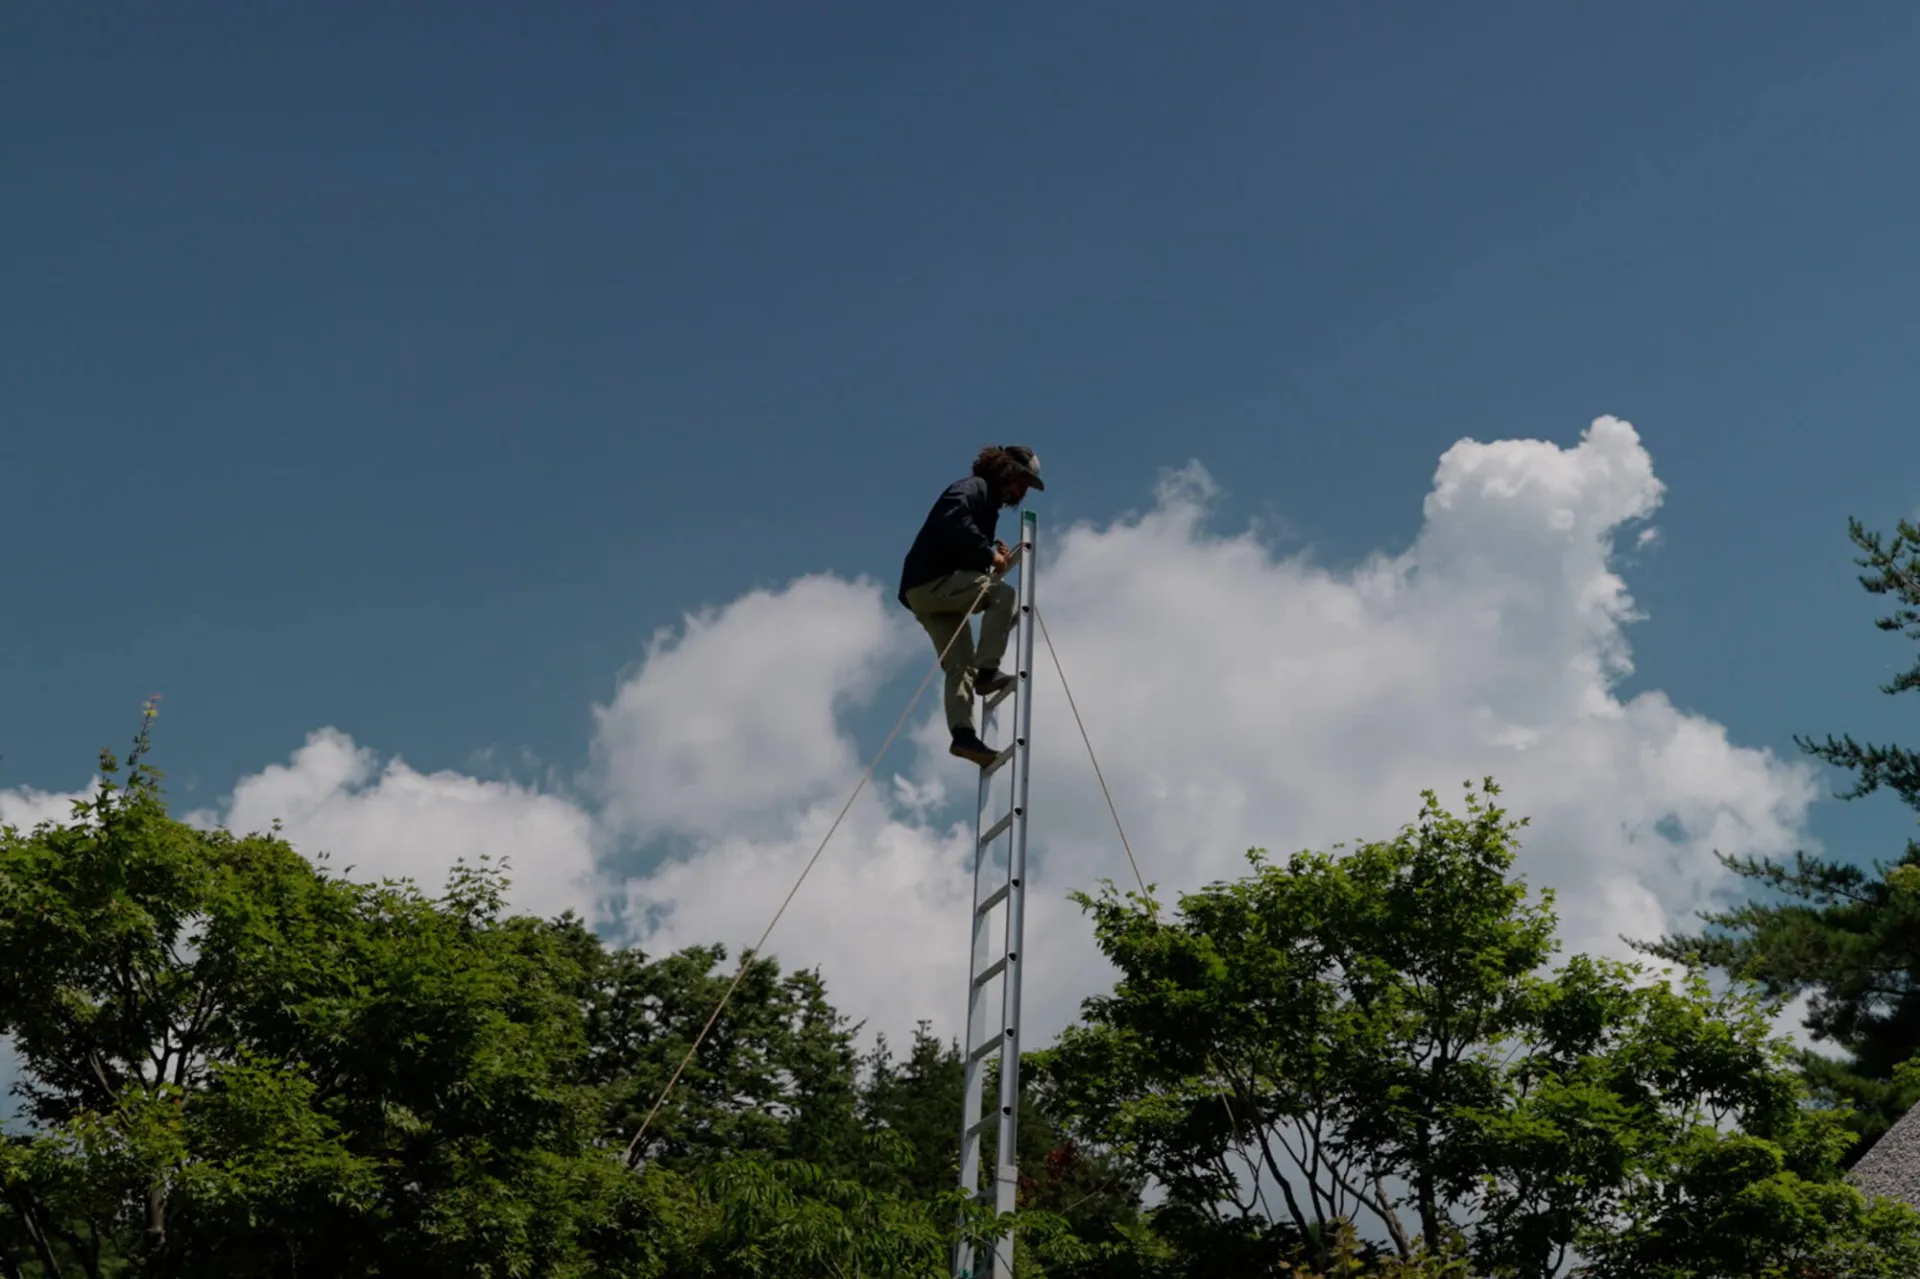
(404, 368)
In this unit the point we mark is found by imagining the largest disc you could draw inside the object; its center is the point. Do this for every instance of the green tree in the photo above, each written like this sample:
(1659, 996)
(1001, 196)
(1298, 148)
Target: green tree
(775, 1074)
(1377, 1037)
(1846, 935)
(238, 1064)
(786, 1219)
(918, 1100)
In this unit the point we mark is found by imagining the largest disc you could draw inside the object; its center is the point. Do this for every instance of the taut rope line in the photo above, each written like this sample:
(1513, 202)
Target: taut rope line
(965, 621)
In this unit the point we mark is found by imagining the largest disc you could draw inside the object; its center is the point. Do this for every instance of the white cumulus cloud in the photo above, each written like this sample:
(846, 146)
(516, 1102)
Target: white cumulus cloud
(1237, 698)
(335, 797)
(732, 724)
(24, 809)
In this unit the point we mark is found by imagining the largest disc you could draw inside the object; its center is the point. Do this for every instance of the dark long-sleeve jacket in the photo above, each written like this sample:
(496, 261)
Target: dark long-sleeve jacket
(958, 535)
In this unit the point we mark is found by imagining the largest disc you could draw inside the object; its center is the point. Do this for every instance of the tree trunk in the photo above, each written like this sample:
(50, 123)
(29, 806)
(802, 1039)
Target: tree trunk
(157, 1219)
(1429, 1209)
(24, 1206)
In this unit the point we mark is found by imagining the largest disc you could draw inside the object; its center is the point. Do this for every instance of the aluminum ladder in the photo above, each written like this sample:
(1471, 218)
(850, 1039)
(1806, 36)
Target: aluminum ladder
(1002, 1036)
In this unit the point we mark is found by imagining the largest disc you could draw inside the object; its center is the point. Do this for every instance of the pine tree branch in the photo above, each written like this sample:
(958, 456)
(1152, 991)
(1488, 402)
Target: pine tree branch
(1895, 571)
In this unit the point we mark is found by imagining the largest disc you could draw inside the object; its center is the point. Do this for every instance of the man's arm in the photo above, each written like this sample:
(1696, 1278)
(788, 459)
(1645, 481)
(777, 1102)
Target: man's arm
(962, 535)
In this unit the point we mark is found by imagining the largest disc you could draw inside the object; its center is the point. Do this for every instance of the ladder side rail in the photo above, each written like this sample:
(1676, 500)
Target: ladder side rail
(983, 1037)
(1006, 1154)
(974, 1090)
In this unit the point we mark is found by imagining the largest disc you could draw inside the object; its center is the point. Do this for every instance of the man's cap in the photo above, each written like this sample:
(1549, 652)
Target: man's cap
(1028, 461)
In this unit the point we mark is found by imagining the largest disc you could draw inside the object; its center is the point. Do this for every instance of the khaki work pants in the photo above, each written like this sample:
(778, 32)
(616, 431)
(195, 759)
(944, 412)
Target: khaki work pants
(941, 606)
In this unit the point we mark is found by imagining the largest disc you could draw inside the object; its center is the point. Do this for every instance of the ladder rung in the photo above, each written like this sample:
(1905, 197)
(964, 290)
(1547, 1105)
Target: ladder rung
(993, 899)
(987, 1049)
(991, 971)
(996, 830)
(1005, 755)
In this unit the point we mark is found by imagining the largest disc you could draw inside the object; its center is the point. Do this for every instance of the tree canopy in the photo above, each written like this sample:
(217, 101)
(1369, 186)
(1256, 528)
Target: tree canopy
(1377, 1037)
(1843, 931)
(1367, 1061)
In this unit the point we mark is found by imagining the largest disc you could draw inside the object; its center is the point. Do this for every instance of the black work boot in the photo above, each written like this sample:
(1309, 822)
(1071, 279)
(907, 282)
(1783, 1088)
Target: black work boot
(988, 681)
(967, 745)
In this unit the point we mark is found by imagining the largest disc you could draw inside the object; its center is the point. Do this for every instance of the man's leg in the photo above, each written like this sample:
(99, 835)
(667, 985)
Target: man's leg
(996, 625)
(943, 612)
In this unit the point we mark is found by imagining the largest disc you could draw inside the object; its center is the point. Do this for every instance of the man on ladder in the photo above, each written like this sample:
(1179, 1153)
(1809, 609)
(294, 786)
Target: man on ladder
(952, 560)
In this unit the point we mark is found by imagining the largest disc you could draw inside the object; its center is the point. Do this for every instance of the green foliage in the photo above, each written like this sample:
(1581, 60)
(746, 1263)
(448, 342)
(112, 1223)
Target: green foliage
(775, 1075)
(1731, 1205)
(780, 1218)
(1376, 1036)
(238, 1064)
(918, 1100)
(1844, 934)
